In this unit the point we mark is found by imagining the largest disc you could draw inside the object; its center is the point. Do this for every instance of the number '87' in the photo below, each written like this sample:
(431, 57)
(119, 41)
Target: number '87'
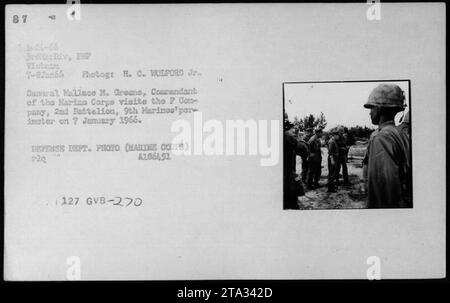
(16, 19)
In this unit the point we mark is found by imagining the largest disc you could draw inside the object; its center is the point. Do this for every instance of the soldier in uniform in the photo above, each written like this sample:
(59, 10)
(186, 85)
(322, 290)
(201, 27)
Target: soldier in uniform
(333, 160)
(305, 164)
(314, 160)
(349, 139)
(304, 145)
(342, 158)
(292, 187)
(386, 160)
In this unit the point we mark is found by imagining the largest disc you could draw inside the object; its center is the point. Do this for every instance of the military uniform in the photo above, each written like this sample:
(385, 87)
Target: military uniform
(386, 163)
(304, 146)
(305, 160)
(404, 131)
(333, 164)
(292, 188)
(314, 162)
(342, 158)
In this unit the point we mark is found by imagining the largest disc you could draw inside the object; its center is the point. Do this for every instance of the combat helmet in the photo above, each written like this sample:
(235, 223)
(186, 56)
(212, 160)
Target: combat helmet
(386, 95)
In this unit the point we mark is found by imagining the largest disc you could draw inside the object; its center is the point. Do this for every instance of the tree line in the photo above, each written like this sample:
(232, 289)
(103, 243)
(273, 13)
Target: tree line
(311, 121)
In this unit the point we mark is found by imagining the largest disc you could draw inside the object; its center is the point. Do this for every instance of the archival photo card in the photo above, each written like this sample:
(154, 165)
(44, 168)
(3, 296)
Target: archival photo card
(281, 141)
(347, 145)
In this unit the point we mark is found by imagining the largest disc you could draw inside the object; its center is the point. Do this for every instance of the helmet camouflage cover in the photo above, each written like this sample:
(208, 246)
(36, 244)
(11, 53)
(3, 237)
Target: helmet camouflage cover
(386, 95)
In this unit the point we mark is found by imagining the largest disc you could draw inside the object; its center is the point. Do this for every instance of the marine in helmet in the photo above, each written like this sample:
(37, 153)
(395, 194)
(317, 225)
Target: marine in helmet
(386, 160)
(342, 157)
(314, 159)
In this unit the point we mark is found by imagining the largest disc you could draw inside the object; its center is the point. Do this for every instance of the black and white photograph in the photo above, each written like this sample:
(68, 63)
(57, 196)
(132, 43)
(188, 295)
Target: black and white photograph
(347, 145)
(224, 142)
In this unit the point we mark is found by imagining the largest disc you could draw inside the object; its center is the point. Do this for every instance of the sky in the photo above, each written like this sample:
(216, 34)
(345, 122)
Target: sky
(342, 103)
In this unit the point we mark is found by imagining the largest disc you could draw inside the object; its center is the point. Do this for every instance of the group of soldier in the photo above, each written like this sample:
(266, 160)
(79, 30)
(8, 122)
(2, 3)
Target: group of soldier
(338, 147)
(308, 145)
(386, 165)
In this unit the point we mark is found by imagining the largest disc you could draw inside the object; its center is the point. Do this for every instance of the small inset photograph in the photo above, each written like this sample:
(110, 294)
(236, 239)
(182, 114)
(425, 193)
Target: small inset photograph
(347, 145)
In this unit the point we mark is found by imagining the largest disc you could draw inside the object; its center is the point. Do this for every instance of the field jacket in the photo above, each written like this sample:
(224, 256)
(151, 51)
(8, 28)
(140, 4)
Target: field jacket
(387, 162)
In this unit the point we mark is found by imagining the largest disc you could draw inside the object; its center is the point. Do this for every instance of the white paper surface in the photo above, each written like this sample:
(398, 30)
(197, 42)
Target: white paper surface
(211, 217)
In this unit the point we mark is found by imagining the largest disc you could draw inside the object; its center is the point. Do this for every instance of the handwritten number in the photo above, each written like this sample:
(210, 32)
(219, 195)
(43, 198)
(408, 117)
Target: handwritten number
(118, 203)
(138, 202)
(131, 200)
